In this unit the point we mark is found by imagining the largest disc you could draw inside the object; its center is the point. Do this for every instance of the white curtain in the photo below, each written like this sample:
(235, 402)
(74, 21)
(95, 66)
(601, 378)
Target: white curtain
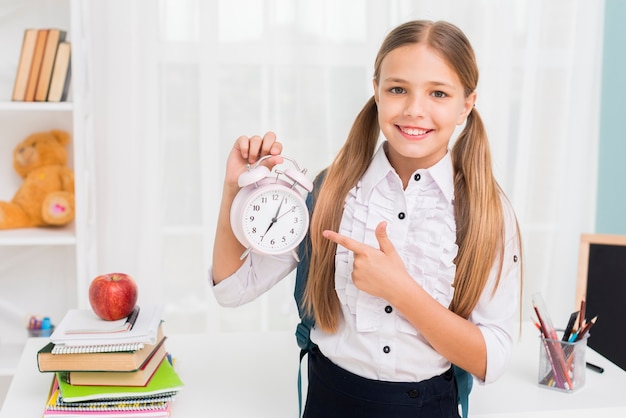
(176, 81)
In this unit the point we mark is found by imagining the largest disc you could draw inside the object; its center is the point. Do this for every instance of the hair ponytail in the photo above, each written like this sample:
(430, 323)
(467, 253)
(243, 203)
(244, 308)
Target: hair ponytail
(478, 213)
(349, 165)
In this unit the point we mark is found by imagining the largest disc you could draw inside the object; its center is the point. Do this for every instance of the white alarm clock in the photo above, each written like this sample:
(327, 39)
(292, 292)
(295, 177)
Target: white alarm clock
(269, 213)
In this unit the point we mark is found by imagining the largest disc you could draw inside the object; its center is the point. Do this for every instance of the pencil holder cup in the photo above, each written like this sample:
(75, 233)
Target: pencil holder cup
(40, 332)
(562, 364)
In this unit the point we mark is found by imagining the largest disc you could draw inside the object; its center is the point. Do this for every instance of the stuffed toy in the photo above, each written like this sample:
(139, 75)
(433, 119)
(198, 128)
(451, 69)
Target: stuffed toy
(46, 196)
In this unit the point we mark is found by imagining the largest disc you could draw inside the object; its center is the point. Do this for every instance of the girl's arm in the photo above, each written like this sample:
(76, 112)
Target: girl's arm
(246, 150)
(455, 338)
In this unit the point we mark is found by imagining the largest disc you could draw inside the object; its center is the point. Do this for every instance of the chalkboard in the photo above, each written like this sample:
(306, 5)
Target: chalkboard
(602, 284)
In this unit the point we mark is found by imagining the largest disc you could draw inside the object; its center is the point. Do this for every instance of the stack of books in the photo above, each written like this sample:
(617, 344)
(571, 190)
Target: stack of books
(109, 368)
(44, 70)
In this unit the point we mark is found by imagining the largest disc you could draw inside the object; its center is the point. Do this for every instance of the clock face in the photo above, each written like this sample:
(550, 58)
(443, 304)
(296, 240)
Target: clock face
(275, 220)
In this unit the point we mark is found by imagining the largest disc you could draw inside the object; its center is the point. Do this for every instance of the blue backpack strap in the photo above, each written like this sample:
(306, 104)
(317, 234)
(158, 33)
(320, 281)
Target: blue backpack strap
(303, 329)
(464, 382)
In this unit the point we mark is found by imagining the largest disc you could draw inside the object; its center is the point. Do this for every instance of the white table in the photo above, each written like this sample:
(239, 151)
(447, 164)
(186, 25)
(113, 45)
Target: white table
(254, 375)
(517, 394)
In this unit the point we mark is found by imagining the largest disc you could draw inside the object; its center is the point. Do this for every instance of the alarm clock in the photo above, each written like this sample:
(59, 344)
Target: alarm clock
(269, 214)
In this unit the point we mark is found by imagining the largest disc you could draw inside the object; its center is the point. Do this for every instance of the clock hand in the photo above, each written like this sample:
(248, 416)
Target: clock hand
(286, 212)
(274, 219)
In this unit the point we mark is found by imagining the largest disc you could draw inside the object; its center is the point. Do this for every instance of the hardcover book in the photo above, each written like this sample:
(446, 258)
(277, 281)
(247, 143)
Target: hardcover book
(35, 68)
(139, 377)
(61, 74)
(123, 360)
(25, 62)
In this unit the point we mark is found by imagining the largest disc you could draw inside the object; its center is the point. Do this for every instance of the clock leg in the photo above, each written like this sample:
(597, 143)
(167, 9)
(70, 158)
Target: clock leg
(245, 253)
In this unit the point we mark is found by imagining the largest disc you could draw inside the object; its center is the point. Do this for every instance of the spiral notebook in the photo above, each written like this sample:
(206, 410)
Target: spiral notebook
(158, 406)
(89, 323)
(81, 331)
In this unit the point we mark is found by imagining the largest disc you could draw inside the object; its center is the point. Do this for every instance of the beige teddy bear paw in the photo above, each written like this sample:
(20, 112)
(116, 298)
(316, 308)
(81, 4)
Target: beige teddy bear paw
(58, 208)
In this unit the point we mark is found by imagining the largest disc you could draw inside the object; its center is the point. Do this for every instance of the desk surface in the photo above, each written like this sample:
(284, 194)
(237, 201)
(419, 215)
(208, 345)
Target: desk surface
(517, 394)
(224, 376)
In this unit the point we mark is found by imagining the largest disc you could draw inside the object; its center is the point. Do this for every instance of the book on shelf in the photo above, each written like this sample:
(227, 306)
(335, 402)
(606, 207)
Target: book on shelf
(81, 330)
(55, 36)
(61, 74)
(35, 67)
(123, 360)
(139, 377)
(152, 406)
(165, 381)
(24, 64)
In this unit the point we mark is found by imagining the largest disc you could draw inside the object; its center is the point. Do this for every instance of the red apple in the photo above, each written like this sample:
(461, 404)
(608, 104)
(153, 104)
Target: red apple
(113, 296)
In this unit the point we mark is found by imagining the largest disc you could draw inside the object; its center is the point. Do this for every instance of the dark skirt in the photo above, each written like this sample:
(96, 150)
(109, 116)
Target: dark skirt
(334, 392)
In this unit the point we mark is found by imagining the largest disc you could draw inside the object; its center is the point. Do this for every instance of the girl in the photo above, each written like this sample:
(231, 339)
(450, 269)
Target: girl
(415, 260)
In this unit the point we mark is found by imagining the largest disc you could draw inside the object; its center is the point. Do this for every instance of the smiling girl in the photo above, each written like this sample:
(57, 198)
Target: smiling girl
(415, 260)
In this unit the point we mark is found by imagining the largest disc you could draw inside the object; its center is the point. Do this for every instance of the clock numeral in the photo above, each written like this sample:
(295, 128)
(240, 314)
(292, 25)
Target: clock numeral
(252, 218)
(273, 242)
(275, 196)
(264, 199)
(283, 239)
(256, 208)
(296, 220)
(254, 229)
(292, 231)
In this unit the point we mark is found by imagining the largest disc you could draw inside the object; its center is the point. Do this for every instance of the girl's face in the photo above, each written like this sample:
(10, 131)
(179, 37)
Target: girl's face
(420, 102)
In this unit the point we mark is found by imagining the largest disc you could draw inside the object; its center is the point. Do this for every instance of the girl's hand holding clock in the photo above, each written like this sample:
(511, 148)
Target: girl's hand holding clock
(248, 150)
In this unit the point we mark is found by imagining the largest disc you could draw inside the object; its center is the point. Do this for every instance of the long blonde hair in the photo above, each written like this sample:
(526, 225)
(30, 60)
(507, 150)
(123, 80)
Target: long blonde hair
(478, 206)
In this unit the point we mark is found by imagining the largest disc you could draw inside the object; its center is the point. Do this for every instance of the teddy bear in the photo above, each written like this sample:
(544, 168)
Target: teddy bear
(46, 195)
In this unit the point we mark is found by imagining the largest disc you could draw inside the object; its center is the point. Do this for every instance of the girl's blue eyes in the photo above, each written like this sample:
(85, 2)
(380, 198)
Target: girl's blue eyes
(439, 94)
(396, 90)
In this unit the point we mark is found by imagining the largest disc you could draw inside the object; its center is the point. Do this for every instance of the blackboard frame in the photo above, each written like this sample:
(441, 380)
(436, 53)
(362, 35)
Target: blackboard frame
(601, 266)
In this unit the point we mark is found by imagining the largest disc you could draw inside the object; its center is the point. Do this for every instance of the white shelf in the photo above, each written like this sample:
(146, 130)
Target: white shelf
(9, 358)
(38, 236)
(46, 269)
(36, 106)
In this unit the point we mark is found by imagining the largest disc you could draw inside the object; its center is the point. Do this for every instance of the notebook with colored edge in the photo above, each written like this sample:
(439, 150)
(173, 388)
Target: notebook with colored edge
(164, 381)
(137, 407)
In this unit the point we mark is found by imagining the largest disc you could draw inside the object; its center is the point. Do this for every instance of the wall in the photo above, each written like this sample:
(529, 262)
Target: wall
(611, 199)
